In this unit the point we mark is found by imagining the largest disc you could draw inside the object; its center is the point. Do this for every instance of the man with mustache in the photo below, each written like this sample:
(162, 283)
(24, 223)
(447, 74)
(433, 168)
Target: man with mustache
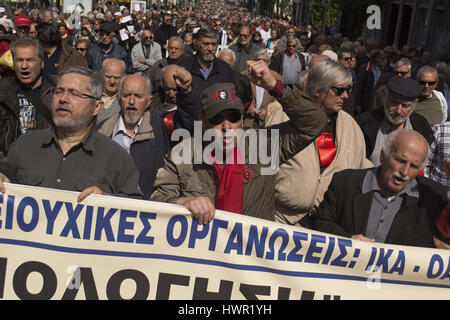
(205, 69)
(244, 48)
(138, 129)
(390, 203)
(24, 99)
(71, 155)
(397, 113)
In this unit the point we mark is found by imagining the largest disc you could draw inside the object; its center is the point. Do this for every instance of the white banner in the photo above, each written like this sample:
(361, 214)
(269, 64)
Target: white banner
(52, 247)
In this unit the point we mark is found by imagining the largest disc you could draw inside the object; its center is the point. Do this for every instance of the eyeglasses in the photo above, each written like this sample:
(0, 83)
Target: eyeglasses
(424, 83)
(347, 58)
(401, 73)
(147, 38)
(23, 29)
(340, 91)
(291, 45)
(230, 115)
(72, 93)
(244, 35)
(81, 49)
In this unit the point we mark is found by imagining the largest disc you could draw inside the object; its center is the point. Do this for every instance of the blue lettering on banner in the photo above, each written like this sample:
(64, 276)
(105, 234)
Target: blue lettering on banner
(71, 224)
(196, 233)
(51, 214)
(279, 233)
(436, 262)
(235, 239)
(88, 222)
(255, 241)
(298, 237)
(126, 225)
(182, 221)
(342, 244)
(24, 203)
(216, 225)
(313, 248)
(104, 223)
(142, 237)
(9, 212)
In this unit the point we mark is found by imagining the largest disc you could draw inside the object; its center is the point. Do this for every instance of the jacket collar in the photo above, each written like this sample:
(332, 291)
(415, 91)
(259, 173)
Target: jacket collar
(145, 129)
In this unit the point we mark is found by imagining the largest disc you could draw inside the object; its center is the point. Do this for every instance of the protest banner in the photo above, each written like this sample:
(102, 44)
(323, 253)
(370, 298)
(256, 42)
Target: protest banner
(52, 247)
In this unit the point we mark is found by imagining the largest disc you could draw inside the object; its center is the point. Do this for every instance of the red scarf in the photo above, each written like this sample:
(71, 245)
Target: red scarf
(327, 149)
(230, 193)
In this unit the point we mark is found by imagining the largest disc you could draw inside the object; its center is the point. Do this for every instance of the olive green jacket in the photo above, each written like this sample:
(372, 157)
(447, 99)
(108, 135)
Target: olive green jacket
(175, 179)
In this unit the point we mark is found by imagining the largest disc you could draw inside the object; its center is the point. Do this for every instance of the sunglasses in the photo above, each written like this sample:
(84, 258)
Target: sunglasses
(424, 83)
(147, 38)
(347, 59)
(340, 91)
(81, 49)
(401, 73)
(230, 115)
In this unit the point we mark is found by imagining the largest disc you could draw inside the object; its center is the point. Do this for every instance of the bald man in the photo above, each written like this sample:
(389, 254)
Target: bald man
(316, 59)
(389, 203)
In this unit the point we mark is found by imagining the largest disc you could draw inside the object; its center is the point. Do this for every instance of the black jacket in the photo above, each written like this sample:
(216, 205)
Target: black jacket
(95, 57)
(9, 109)
(345, 210)
(370, 122)
(220, 73)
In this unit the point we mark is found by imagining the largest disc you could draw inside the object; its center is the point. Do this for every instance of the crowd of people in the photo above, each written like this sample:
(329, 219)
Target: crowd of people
(95, 102)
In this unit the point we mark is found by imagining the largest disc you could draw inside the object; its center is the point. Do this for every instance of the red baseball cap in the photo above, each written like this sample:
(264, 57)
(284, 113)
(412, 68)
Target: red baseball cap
(22, 20)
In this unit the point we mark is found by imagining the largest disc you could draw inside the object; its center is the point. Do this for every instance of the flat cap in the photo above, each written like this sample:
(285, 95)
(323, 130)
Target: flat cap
(220, 97)
(405, 88)
(108, 27)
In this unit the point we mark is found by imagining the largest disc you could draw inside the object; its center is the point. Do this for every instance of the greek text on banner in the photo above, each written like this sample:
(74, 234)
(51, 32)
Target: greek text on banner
(52, 247)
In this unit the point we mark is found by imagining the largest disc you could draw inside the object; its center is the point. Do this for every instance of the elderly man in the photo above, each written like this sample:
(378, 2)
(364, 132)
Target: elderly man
(234, 184)
(106, 48)
(176, 50)
(24, 99)
(139, 130)
(71, 155)
(244, 48)
(432, 104)
(339, 146)
(112, 72)
(397, 113)
(388, 204)
(288, 62)
(145, 53)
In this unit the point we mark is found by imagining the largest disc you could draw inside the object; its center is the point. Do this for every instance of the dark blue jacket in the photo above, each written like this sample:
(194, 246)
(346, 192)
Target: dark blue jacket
(95, 57)
(148, 148)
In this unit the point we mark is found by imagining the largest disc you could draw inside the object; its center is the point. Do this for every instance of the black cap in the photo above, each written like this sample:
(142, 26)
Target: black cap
(220, 97)
(108, 27)
(405, 88)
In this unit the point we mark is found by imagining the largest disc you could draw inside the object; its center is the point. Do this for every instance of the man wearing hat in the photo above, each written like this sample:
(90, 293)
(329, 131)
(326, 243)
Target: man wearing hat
(397, 113)
(4, 18)
(228, 177)
(106, 48)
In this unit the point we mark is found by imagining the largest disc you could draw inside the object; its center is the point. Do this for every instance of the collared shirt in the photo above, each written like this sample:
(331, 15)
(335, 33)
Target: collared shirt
(121, 136)
(36, 159)
(439, 150)
(206, 71)
(291, 69)
(384, 130)
(383, 208)
(447, 98)
(259, 96)
(51, 63)
(107, 100)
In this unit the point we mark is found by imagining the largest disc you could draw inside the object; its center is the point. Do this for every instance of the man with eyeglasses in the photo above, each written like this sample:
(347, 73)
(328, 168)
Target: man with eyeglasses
(81, 46)
(225, 179)
(345, 58)
(398, 112)
(432, 104)
(244, 49)
(72, 155)
(145, 53)
(106, 48)
(176, 50)
(24, 99)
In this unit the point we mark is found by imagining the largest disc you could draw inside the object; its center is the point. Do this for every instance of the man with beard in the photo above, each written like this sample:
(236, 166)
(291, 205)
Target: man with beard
(139, 130)
(244, 49)
(390, 203)
(72, 155)
(397, 113)
(205, 69)
(24, 99)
